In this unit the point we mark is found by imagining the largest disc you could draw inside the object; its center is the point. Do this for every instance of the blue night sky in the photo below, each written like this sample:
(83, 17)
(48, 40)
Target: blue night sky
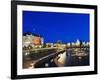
(54, 26)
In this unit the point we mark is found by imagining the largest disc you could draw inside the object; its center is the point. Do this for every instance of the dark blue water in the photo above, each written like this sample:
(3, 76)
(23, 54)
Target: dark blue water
(77, 61)
(69, 61)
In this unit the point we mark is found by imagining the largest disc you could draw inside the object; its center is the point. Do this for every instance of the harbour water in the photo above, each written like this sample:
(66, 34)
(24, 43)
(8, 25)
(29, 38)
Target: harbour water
(65, 60)
(70, 57)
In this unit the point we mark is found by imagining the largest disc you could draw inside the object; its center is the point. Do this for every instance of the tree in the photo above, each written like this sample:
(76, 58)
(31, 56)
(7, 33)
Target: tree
(59, 42)
(30, 47)
(44, 46)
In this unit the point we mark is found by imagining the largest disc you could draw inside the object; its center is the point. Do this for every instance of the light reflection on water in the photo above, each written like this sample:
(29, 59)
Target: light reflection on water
(62, 58)
(67, 60)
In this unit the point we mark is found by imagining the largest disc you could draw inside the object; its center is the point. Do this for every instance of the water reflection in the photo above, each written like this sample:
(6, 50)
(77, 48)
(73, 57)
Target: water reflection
(69, 60)
(62, 58)
(70, 57)
(66, 59)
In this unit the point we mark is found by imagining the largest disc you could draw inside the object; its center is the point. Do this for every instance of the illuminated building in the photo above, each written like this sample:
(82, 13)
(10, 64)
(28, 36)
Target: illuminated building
(27, 39)
(34, 40)
(77, 43)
